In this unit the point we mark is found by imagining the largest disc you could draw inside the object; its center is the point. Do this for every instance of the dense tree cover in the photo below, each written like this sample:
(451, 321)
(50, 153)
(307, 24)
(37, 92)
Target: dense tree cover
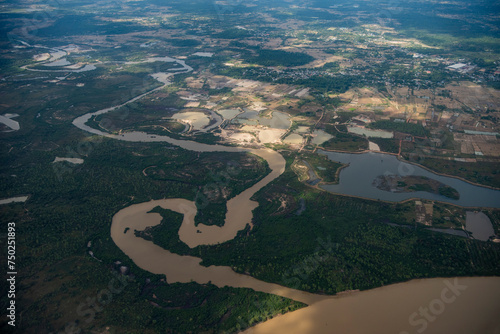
(267, 57)
(410, 128)
(195, 308)
(449, 192)
(233, 33)
(487, 173)
(183, 42)
(441, 25)
(70, 205)
(494, 84)
(325, 168)
(337, 84)
(140, 302)
(336, 243)
(344, 141)
(165, 129)
(389, 145)
(495, 220)
(166, 234)
(331, 67)
(70, 25)
(339, 243)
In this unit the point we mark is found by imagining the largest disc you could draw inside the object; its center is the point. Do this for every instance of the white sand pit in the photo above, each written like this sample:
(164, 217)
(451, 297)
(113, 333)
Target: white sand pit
(41, 57)
(269, 136)
(196, 119)
(76, 161)
(192, 104)
(242, 137)
(373, 147)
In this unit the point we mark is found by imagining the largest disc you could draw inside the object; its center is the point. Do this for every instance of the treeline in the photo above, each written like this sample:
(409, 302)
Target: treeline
(233, 33)
(87, 24)
(69, 214)
(339, 243)
(267, 57)
(195, 308)
(389, 145)
(409, 128)
(486, 173)
(344, 141)
(336, 84)
(183, 42)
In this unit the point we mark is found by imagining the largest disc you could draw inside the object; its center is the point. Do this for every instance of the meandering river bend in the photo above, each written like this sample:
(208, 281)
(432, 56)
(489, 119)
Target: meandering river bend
(383, 310)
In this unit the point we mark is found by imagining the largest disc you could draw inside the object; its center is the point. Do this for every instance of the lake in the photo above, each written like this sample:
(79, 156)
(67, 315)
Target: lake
(278, 120)
(357, 178)
(229, 113)
(479, 225)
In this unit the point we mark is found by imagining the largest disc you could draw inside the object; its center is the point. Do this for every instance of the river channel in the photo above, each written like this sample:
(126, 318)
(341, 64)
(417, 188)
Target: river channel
(383, 310)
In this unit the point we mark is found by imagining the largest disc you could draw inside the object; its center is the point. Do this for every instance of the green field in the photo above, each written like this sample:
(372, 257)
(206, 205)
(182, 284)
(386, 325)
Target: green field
(343, 141)
(409, 128)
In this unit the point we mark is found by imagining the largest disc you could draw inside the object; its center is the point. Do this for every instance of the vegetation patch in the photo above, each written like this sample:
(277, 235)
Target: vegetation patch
(279, 58)
(344, 141)
(388, 145)
(404, 184)
(486, 173)
(409, 128)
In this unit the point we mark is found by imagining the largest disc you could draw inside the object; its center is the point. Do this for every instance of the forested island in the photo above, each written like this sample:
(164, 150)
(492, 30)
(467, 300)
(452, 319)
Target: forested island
(399, 184)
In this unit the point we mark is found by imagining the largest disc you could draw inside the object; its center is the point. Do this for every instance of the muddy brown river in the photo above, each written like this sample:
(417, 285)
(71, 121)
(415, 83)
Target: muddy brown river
(427, 306)
(463, 305)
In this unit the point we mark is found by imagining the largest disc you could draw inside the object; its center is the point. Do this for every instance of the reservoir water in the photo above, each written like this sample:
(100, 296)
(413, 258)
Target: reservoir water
(357, 178)
(479, 225)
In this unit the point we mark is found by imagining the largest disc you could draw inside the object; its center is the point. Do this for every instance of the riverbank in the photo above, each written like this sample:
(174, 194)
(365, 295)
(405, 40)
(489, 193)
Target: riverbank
(184, 269)
(402, 184)
(400, 158)
(357, 180)
(451, 304)
(354, 312)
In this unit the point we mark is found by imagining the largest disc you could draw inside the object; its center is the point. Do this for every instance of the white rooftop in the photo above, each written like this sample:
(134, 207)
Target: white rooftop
(457, 66)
